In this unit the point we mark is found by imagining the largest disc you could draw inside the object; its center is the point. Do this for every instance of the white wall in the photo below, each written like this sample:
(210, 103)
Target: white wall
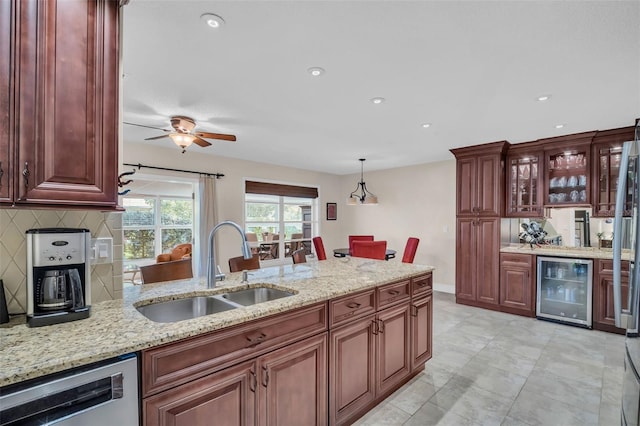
(415, 201)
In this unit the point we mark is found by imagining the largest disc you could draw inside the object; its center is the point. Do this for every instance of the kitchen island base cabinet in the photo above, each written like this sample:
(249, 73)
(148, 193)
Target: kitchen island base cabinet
(373, 354)
(421, 331)
(284, 387)
(227, 396)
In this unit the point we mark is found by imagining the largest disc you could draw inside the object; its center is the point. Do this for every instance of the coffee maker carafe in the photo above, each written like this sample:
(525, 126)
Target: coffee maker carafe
(58, 275)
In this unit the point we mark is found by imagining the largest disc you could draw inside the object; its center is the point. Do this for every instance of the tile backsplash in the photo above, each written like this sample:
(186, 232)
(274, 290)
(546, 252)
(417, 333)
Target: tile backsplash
(106, 279)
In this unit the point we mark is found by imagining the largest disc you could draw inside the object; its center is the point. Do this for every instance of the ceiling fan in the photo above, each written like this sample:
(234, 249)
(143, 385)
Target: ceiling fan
(183, 135)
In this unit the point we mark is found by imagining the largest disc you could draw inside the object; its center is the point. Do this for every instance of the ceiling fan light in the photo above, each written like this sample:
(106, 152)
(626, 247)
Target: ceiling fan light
(183, 140)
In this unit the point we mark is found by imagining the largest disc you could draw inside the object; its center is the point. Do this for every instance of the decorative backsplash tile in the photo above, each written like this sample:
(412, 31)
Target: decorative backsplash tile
(106, 279)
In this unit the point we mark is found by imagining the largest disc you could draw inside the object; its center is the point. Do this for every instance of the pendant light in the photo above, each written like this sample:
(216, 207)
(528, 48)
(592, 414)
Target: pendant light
(361, 195)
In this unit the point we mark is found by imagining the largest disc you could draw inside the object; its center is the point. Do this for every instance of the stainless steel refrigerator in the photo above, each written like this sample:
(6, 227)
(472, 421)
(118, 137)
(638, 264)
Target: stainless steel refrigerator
(626, 306)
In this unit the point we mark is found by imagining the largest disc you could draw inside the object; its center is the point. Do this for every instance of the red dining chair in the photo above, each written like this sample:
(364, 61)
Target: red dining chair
(410, 250)
(369, 249)
(353, 238)
(320, 253)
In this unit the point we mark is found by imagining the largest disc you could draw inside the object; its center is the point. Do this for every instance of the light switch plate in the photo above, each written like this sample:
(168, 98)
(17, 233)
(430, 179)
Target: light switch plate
(101, 250)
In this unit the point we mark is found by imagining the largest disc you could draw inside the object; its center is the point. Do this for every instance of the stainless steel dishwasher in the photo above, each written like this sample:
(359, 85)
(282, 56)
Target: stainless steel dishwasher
(104, 393)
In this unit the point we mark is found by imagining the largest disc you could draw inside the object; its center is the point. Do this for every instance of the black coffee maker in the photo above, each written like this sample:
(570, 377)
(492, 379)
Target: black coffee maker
(58, 275)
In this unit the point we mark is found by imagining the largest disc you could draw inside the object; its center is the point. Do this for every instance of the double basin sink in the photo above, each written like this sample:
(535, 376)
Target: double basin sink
(197, 306)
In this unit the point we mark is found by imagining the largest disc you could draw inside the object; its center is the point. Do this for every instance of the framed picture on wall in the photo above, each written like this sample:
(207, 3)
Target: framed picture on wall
(332, 211)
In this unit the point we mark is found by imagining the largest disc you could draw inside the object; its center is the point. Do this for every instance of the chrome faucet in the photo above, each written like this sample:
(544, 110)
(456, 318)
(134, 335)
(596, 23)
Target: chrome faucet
(212, 277)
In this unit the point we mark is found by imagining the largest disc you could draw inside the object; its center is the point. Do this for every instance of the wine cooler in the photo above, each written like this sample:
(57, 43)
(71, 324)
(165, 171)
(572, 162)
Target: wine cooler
(565, 290)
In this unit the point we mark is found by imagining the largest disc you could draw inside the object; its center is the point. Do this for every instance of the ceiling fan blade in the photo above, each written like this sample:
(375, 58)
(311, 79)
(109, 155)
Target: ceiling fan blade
(156, 137)
(230, 138)
(148, 127)
(201, 142)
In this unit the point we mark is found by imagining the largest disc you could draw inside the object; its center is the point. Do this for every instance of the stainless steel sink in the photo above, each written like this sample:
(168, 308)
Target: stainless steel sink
(183, 309)
(251, 296)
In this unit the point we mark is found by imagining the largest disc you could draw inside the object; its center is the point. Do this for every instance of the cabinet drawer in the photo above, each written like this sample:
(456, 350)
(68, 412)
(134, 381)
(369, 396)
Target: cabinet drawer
(352, 306)
(421, 285)
(392, 294)
(180, 362)
(606, 266)
(525, 260)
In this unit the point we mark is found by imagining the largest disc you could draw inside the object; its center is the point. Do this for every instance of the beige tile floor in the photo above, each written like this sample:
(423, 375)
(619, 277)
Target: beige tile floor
(491, 368)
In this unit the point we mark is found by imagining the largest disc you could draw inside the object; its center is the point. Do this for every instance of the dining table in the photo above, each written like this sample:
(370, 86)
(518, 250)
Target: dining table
(343, 252)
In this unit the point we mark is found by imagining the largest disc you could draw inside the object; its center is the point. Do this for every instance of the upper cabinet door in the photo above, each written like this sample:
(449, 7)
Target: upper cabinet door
(568, 173)
(524, 187)
(480, 179)
(466, 181)
(67, 63)
(606, 154)
(6, 100)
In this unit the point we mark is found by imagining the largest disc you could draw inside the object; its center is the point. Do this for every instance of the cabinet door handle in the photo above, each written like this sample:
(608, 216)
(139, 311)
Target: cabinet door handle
(254, 381)
(255, 341)
(353, 305)
(381, 326)
(265, 376)
(414, 311)
(374, 324)
(1, 173)
(25, 174)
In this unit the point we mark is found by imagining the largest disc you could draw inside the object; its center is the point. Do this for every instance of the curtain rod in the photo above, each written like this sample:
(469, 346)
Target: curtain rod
(139, 166)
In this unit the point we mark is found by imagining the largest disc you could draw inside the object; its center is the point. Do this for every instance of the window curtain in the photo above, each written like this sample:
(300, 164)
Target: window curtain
(208, 219)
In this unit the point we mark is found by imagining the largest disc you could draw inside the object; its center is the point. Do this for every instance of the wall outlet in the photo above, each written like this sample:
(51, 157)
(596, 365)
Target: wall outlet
(101, 250)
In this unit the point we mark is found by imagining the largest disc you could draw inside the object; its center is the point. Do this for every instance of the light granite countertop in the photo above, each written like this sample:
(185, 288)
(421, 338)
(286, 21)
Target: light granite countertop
(116, 327)
(562, 251)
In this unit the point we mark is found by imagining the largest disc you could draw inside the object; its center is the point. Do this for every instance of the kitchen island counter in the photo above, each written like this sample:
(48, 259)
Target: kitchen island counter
(116, 327)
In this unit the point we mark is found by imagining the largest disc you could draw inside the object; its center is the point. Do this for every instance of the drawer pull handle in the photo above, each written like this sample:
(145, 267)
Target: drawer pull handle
(394, 292)
(353, 305)
(414, 311)
(422, 283)
(255, 341)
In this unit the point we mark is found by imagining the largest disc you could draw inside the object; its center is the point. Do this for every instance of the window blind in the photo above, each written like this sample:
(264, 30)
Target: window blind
(252, 187)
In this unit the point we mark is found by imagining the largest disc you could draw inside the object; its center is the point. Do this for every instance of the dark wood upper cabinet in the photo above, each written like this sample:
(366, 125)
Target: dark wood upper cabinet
(524, 175)
(480, 179)
(606, 153)
(66, 106)
(7, 10)
(568, 173)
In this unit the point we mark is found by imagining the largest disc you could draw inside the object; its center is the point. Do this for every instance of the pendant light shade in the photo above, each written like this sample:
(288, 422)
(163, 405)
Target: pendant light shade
(361, 194)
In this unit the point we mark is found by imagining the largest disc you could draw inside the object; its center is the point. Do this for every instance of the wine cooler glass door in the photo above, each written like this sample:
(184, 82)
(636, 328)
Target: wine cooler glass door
(564, 290)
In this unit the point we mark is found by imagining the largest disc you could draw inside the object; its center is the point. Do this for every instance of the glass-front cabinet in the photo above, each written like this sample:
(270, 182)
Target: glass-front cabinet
(607, 152)
(568, 175)
(524, 198)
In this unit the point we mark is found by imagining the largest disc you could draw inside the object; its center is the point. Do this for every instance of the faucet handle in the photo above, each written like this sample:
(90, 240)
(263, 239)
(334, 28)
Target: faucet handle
(245, 277)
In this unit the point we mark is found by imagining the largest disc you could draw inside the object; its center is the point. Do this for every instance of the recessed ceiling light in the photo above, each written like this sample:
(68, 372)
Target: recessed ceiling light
(377, 100)
(316, 71)
(426, 125)
(543, 98)
(559, 126)
(212, 21)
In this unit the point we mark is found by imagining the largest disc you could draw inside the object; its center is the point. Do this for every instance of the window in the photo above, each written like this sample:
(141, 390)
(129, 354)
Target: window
(154, 224)
(279, 224)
